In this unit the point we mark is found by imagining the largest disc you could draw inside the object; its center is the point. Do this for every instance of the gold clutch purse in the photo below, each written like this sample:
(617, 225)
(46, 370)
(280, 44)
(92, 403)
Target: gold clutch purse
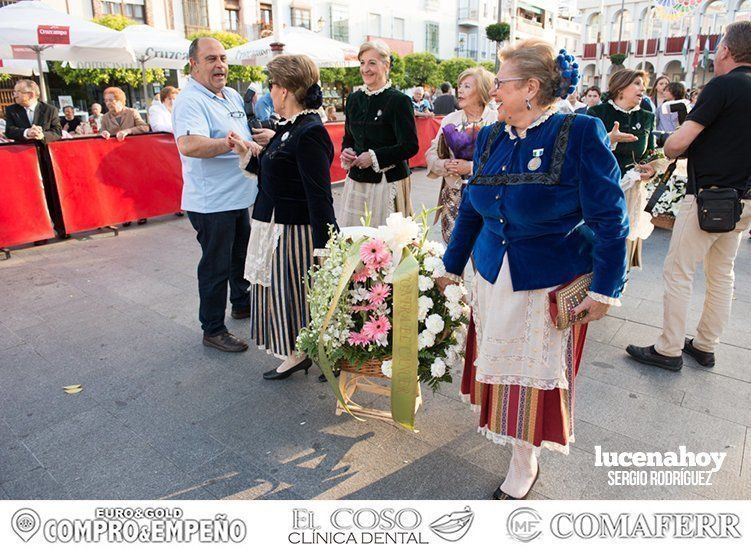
(565, 298)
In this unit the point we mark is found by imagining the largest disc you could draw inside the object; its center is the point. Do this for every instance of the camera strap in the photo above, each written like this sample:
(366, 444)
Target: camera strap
(661, 187)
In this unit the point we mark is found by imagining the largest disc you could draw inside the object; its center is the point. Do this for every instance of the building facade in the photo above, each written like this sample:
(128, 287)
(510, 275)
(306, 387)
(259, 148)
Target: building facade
(681, 48)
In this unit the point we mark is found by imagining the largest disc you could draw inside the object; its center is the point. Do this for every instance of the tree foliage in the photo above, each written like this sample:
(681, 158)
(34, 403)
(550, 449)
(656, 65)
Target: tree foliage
(421, 69)
(229, 40)
(103, 77)
(350, 78)
(489, 65)
(452, 68)
(498, 32)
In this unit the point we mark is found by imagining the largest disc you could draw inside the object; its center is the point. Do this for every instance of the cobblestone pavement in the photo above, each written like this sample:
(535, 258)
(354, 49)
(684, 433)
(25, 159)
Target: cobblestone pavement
(161, 416)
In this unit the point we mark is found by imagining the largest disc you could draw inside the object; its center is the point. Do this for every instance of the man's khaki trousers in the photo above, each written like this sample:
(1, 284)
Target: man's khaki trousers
(688, 246)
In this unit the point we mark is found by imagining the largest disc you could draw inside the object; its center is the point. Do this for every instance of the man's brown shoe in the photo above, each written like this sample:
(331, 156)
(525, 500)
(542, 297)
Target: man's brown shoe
(226, 342)
(702, 357)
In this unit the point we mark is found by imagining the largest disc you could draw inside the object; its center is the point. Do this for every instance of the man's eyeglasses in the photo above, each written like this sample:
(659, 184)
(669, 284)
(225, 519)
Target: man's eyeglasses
(497, 82)
(236, 114)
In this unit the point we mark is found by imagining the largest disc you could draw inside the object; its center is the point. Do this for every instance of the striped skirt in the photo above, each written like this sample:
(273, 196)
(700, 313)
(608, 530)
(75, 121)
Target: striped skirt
(278, 312)
(527, 416)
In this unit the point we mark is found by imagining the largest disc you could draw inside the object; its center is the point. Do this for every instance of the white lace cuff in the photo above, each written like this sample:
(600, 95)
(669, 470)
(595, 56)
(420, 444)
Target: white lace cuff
(614, 301)
(613, 145)
(244, 161)
(376, 167)
(345, 165)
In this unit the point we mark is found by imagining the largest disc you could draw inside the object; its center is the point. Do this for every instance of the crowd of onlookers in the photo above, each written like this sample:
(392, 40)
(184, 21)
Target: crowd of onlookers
(29, 119)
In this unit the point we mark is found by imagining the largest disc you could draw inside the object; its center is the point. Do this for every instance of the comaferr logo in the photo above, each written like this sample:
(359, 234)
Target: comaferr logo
(53, 34)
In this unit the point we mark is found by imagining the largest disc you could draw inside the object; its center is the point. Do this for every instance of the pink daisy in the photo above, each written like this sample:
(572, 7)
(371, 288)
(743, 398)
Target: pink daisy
(374, 253)
(358, 338)
(379, 293)
(362, 275)
(376, 328)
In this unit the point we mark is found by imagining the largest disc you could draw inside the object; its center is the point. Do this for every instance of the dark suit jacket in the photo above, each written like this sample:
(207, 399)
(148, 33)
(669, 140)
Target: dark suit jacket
(45, 116)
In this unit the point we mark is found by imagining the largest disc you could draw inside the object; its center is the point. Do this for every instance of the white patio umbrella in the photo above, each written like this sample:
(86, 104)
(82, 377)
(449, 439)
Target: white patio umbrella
(33, 30)
(20, 67)
(326, 52)
(153, 49)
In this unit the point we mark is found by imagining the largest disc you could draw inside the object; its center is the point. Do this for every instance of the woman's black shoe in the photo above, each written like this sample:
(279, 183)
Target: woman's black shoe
(322, 378)
(273, 374)
(500, 494)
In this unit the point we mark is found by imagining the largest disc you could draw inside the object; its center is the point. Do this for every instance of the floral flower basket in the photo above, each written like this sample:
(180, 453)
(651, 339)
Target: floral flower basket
(352, 304)
(663, 221)
(663, 215)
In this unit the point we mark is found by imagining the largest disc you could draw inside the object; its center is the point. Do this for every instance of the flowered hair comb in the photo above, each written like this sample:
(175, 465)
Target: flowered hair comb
(569, 74)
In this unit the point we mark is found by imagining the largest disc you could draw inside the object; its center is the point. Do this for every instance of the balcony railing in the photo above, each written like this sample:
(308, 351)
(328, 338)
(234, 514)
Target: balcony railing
(471, 54)
(652, 47)
(590, 51)
(618, 47)
(674, 45)
(713, 40)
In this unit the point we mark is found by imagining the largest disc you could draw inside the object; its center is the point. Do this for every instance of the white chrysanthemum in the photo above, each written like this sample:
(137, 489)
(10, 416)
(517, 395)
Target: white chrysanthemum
(386, 368)
(438, 368)
(434, 323)
(425, 339)
(399, 230)
(424, 304)
(455, 310)
(433, 248)
(425, 283)
(434, 265)
(454, 293)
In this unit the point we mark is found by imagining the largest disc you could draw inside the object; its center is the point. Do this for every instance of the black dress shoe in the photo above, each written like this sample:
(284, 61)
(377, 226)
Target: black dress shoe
(142, 221)
(648, 355)
(273, 374)
(322, 377)
(127, 224)
(500, 494)
(239, 314)
(702, 357)
(225, 342)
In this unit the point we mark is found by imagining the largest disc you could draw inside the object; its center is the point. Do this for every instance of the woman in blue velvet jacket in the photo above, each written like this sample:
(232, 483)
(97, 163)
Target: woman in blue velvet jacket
(543, 206)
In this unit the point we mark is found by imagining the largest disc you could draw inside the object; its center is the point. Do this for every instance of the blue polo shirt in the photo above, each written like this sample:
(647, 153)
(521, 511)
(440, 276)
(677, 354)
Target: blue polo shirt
(213, 184)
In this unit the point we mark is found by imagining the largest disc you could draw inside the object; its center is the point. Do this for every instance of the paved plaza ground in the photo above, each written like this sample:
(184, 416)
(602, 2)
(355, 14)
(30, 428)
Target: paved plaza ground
(162, 416)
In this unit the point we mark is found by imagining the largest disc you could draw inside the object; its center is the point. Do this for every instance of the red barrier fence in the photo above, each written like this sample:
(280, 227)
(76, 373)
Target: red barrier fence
(427, 129)
(105, 182)
(102, 182)
(23, 210)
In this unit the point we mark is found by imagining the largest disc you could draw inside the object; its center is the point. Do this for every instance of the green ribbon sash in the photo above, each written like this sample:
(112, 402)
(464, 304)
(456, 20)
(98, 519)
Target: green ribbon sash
(404, 342)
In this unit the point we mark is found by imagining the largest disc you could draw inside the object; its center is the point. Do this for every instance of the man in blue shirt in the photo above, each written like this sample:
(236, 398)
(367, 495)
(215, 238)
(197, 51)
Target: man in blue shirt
(264, 108)
(216, 192)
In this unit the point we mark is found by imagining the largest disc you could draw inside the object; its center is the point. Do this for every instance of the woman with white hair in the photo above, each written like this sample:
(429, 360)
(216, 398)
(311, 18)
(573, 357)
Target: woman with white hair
(380, 136)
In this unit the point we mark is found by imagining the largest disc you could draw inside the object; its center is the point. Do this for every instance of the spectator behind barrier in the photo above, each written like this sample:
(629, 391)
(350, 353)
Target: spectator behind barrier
(119, 119)
(160, 113)
(445, 103)
(420, 104)
(95, 120)
(70, 122)
(29, 119)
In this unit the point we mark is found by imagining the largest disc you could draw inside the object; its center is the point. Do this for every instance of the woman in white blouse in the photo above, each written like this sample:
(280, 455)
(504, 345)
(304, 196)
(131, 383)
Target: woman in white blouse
(160, 114)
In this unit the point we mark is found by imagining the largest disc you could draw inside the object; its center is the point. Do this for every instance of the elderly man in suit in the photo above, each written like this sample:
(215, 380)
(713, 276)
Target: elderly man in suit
(30, 119)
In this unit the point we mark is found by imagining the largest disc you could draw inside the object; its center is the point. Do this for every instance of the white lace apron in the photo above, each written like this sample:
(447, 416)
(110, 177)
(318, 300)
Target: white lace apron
(264, 239)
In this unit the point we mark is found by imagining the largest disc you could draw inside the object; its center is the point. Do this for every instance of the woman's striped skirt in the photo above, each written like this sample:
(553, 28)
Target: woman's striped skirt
(278, 312)
(526, 416)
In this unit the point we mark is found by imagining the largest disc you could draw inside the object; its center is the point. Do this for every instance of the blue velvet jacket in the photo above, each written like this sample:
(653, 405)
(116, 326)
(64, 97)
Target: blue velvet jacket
(565, 218)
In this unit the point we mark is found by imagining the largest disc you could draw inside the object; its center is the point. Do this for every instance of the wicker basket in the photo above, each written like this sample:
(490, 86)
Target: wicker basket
(663, 221)
(369, 368)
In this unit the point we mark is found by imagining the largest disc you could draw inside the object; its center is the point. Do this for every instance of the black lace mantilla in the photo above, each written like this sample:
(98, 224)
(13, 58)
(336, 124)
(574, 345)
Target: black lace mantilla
(552, 177)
